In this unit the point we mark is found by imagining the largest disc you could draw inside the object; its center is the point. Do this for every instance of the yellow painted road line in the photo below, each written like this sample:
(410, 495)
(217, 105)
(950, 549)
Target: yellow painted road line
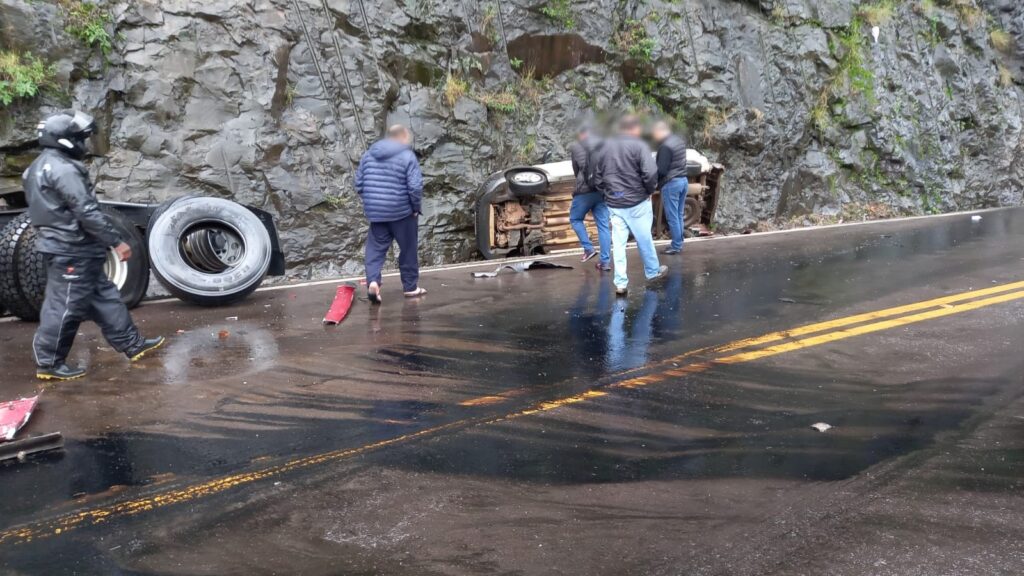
(867, 316)
(98, 515)
(945, 310)
(944, 301)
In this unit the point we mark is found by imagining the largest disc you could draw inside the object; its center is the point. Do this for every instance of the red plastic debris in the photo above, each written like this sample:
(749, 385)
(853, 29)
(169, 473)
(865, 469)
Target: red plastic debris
(341, 305)
(14, 415)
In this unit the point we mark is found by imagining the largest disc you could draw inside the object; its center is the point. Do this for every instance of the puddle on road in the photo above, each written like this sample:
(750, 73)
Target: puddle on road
(218, 350)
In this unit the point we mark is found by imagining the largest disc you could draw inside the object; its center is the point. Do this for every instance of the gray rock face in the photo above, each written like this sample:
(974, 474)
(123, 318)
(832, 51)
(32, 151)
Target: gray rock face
(272, 102)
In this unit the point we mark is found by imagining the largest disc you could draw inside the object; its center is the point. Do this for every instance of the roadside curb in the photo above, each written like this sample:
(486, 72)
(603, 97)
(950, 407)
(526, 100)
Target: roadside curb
(576, 251)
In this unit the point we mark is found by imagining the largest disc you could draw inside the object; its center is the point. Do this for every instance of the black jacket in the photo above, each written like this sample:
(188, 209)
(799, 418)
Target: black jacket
(582, 152)
(63, 208)
(628, 174)
(671, 159)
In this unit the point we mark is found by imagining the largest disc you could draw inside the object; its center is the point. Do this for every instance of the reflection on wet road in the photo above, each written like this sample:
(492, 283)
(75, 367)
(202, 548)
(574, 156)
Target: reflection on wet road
(894, 334)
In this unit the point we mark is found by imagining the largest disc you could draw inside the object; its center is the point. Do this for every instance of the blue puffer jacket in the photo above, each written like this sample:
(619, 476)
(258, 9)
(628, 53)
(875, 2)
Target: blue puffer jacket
(390, 182)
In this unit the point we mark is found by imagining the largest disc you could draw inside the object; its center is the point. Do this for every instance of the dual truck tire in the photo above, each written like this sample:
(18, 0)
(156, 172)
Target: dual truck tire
(207, 251)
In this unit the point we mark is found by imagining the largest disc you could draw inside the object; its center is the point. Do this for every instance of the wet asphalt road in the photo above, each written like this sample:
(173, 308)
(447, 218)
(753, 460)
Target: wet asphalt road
(533, 424)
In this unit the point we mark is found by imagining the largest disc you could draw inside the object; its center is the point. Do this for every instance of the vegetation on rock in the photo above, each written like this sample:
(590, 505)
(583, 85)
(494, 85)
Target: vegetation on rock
(454, 88)
(559, 12)
(851, 76)
(633, 39)
(22, 76)
(1002, 41)
(88, 22)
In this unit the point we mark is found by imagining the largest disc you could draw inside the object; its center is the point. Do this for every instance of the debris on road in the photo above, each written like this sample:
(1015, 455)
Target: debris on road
(223, 334)
(342, 303)
(976, 218)
(14, 415)
(821, 427)
(522, 267)
(25, 447)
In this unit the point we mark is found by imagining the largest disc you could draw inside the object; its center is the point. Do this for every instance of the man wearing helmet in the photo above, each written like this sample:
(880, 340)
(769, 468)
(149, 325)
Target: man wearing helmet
(76, 236)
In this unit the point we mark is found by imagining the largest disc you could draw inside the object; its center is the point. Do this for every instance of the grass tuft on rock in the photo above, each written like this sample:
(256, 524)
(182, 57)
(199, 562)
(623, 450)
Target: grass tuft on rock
(1005, 78)
(1001, 41)
(633, 39)
(560, 13)
(504, 101)
(88, 22)
(454, 88)
(878, 13)
(968, 10)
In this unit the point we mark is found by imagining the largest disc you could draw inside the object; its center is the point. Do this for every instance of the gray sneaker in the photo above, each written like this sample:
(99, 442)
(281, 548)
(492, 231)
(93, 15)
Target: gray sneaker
(662, 272)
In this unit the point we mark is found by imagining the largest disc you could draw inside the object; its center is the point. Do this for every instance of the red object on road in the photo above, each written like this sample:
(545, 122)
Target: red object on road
(341, 305)
(14, 415)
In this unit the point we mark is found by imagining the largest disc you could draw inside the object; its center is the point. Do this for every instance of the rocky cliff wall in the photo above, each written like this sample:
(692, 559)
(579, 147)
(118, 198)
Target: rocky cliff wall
(271, 102)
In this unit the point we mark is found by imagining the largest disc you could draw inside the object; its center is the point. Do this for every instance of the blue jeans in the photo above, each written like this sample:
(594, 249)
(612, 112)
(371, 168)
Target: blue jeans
(673, 198)
(638, 219)
(581, 206)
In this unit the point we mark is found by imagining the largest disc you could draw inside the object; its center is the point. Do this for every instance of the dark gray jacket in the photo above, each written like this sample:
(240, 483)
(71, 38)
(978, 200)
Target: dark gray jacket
(628, 174)
(671, 159)
(582, 152)
(63, 208)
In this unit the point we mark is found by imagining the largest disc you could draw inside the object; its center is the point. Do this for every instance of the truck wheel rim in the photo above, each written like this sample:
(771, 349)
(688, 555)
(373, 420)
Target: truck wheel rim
(115, 269)
(212, 246)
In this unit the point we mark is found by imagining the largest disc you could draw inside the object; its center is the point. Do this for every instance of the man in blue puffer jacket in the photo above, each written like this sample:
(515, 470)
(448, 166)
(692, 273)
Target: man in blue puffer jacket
(390, 183)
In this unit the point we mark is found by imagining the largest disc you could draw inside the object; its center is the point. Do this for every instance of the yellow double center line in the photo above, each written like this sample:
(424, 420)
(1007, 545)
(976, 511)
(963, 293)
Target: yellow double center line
(746, 350)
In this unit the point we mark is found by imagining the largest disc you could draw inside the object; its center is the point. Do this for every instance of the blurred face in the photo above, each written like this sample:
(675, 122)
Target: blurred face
(404, 138)
(635, 131)
(659, 133)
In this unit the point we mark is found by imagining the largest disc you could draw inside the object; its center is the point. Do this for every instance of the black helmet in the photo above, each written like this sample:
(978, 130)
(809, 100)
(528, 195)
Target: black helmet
(67, 132)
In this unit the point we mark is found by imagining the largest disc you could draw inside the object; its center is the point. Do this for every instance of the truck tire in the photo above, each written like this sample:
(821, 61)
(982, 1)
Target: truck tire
(31, 270)
(131, 277)
(208, 251)
(11, 244)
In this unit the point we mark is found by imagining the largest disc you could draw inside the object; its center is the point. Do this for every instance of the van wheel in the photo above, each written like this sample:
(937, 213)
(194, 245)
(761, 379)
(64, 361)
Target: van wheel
(526, 181)
(691, 212)
(208, 251)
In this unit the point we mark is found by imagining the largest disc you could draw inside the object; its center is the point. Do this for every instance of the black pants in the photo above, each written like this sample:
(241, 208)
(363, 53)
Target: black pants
(77, 290)
(379, 241)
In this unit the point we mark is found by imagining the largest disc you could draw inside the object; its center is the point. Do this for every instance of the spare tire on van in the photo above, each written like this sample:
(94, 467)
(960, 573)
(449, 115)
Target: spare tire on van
(208, 251)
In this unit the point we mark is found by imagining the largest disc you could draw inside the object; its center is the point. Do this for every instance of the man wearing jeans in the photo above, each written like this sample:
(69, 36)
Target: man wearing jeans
(390, 183)
(628, 175)
(588, 199)
(672, 181)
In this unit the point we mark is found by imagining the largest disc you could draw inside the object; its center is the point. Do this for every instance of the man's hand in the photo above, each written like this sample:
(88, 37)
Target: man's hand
(124, 251)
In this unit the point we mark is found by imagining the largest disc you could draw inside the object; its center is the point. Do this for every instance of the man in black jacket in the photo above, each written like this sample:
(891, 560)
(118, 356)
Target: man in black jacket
(628, 175)
(588, 199)
(76, 236)
(672, 181)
